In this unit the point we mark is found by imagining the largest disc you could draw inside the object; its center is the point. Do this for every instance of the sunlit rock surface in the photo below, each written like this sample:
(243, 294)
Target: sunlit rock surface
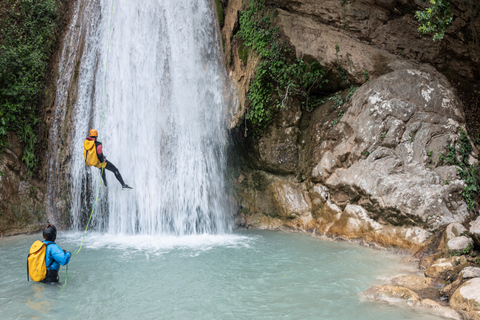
(459, 243)
(475, 230)
(378, 174)
(467, 298)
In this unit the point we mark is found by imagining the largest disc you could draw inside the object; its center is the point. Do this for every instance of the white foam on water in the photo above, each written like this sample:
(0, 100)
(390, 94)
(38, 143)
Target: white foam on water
(158, 243)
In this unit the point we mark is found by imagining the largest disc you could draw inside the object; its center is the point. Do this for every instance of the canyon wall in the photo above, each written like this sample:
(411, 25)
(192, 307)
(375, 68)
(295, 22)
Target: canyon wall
(373, 166)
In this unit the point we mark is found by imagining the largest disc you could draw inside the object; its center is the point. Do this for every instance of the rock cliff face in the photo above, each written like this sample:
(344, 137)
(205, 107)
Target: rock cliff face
(21, 197)
(58, 203)
(374, 167)
(26, 203)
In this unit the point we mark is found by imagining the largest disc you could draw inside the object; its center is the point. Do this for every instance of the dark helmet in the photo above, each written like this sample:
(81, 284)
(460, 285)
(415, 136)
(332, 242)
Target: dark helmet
(50, 232)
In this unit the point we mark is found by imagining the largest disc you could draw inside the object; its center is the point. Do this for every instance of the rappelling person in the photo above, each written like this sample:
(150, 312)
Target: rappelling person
(94, 157)
(54, 256)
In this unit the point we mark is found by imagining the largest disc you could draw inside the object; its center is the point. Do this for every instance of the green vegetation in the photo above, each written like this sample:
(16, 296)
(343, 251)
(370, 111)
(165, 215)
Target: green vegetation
(276, 77)
(221, 17)
(344, 2)
(243, 54)
(435, 19)
(461, 252)
(412, 135)
(339, 116)
(366, 76)
(382, 135)
(27, 36)
(339, 101)
(469, 173)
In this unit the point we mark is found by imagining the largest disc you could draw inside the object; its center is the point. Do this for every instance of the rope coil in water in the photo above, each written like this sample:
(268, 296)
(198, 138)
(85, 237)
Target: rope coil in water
(101, 130)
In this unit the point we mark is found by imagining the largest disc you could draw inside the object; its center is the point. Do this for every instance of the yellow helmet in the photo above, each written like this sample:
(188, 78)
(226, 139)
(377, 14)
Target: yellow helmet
(93, 133)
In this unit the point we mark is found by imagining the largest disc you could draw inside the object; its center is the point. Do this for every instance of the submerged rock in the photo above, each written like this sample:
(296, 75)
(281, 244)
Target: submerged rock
(398, 294)
(392, 294)
(440, 310)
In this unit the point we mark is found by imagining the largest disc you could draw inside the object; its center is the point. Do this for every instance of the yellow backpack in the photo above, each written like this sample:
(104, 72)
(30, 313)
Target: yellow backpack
(36, 264)
(90, 155)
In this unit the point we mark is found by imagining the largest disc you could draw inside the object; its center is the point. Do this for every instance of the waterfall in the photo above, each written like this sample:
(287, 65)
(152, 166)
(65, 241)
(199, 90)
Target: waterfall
(161, 120)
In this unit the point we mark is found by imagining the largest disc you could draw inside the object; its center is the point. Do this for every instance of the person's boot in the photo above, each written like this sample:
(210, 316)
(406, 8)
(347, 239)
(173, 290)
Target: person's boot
(126, 187)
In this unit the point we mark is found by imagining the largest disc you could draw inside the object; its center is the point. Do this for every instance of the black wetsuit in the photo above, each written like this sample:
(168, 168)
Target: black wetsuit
(109, 166)
(52, 276)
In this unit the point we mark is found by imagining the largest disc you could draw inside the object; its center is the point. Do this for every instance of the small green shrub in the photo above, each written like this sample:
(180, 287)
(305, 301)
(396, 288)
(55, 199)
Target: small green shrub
(412, 135)
(469, 173)
(465, 251)
(276, 78)
(366, 76)
(435, 19)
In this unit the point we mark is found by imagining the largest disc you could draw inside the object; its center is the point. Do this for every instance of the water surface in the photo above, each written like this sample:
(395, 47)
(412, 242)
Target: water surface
(247, 275)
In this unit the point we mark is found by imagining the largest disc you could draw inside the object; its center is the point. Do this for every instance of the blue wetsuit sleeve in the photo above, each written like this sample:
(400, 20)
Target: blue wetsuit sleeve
(58, 255)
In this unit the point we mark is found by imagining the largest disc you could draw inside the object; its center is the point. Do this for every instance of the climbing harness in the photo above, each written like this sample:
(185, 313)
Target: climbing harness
(101, 130)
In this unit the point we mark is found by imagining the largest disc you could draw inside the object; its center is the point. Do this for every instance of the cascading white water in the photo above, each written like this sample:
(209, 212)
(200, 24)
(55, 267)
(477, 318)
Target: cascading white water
(162, 124)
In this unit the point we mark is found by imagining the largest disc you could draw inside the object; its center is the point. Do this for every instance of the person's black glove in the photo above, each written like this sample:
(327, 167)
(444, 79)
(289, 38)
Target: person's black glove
(65, 251)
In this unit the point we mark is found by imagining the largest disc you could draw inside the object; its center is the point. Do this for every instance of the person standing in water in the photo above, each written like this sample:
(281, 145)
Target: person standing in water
(54, 256)
(93, 155)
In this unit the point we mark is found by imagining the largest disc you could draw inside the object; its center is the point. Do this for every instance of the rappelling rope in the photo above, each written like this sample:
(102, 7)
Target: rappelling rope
(101, 130)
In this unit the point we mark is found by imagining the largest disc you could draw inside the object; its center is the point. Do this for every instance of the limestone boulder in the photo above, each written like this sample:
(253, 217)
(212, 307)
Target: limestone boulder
(427, 261)
(416, 283)
(470, 272)
(467, 298)
(475, 231)
(385, 151)
(454, 230)
(401, 295)
(459, 243)
(439, 268)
